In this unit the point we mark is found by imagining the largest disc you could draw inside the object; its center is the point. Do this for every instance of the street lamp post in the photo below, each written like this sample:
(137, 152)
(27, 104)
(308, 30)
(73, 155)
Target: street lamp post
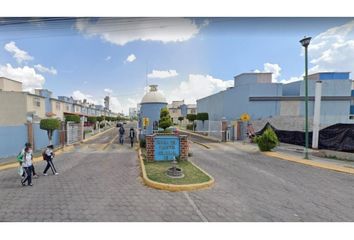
(305, 42)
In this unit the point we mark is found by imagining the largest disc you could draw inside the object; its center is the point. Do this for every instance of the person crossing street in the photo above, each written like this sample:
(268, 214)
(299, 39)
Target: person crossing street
(121, 135)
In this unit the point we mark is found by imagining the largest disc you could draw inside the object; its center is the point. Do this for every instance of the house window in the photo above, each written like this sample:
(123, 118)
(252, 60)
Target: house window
(36, 102)
(57, 106)
(67, 107)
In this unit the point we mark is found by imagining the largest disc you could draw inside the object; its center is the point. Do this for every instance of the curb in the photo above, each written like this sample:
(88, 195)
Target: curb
(201, 136)
(58, 151)
(173, 187)
(327, 166)
(201, 144)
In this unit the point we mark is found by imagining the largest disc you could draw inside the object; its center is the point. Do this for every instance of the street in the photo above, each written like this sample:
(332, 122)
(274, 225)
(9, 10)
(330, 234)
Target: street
(100, 181)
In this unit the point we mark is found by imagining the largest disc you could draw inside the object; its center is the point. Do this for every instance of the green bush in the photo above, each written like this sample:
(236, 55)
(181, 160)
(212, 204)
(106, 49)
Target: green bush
(91, 119)
(267, 141)
(165, 119)
(142, 143)
(191, 127)
(191, 117)
(49, 124)
(72, 118)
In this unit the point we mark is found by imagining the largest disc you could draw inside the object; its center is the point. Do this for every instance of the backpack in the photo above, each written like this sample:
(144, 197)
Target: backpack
(44, 155)
(20, 157)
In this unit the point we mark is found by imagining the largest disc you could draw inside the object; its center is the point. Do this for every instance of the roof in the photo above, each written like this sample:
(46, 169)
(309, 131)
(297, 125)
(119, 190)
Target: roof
(253, 73)
(153, 96)
(11, 79)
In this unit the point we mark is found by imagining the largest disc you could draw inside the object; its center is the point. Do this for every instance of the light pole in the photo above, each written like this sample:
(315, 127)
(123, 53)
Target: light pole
(305, 42)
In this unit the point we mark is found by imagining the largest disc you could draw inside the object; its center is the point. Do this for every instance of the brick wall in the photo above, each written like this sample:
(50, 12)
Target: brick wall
(150, 148)
(184, 148)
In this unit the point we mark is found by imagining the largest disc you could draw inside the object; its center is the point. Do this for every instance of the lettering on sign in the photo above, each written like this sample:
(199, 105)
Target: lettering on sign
(166, 148)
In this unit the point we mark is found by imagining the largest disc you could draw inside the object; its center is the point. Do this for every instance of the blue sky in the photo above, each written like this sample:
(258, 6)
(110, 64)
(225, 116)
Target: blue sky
(187, 58)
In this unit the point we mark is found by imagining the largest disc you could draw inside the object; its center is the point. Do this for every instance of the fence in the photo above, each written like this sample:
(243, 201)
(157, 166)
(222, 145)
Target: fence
(13, 138)
(210, 128)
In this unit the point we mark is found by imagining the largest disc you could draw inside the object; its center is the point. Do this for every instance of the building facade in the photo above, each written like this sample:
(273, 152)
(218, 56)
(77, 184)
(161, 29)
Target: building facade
(256, 95)
(150, 108)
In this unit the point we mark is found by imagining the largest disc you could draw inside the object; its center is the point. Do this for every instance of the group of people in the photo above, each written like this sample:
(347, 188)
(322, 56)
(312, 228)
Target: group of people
(131, 135)
(27, 170)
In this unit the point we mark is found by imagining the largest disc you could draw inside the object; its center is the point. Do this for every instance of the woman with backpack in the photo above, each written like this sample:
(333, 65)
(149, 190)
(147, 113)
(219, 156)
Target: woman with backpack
(48, 155)
(27, 166)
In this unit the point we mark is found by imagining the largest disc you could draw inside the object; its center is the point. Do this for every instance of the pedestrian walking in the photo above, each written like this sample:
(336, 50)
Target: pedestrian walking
(121, 135)
(20, 159)
(48, 155)
(26, 164)
(131, 136)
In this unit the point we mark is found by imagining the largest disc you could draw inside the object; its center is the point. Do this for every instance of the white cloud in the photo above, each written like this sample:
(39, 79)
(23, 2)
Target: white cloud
(115, 105)
(43, 69)
(27, 75)
(108, 90)
(108, 58)
(333, 50)
(18, 54)
(120, 31)
(162, 74)
(78, 95)
(197, 86)
(273, 68)
(130, 58)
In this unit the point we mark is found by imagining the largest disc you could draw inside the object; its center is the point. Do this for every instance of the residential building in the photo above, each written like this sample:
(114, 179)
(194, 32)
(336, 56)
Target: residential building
(175, 110)
(10, 85)
(133, 112)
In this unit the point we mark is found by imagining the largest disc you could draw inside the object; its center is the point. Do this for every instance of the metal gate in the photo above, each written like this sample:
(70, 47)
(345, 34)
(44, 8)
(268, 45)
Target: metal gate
(73, 132)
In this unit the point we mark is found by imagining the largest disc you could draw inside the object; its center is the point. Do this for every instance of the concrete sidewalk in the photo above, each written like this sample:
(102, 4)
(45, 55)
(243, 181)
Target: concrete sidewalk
(295, 153)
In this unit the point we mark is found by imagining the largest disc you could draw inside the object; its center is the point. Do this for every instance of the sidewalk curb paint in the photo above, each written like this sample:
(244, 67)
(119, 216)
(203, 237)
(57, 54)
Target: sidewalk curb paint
(201, 136)
(173, 187)
(57, 151)
(327, 166)
(201, 144)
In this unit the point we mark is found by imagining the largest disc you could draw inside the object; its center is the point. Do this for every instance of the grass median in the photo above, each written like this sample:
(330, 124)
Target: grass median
(156, 171)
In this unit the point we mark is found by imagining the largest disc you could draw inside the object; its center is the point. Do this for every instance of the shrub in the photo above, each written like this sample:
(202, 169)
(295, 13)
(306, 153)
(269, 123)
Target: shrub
(142, 143)
(191, 127)
(203, 116)
(91, 119)
(72, 118)
(191, 117)
(49, 125)
(267, 141)
(165, 119)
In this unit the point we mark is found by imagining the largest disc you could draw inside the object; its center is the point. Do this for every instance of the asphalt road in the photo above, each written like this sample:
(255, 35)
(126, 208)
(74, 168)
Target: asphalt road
(100, 181)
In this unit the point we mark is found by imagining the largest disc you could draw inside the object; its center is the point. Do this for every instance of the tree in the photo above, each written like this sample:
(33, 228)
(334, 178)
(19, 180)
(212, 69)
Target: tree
(99, 118)
(192, 117)
(203, 116)
(72, 118)
(92, 119)
(165, 119)
(180, 119)
(49, 124)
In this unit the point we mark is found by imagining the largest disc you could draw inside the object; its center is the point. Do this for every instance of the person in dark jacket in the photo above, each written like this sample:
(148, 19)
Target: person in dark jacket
(48, 155)
(121, 135)
(131, 136)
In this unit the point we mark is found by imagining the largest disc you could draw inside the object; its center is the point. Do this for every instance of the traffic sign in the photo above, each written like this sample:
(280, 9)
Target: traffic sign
(245, 117)
(145, 121)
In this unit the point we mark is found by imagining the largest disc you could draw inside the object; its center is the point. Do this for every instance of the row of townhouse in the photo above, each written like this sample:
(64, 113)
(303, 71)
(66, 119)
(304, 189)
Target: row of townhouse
(19, 107)
(180, 109)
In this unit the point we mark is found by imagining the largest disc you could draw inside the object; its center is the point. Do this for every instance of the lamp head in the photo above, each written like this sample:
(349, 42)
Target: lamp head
(305, 41)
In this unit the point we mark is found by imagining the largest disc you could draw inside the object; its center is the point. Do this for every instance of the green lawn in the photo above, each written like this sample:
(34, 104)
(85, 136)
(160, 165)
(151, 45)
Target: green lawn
(156, 171)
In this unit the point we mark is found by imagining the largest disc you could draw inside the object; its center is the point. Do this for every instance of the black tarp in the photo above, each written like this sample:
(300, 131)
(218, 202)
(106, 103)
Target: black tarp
(338, 137)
